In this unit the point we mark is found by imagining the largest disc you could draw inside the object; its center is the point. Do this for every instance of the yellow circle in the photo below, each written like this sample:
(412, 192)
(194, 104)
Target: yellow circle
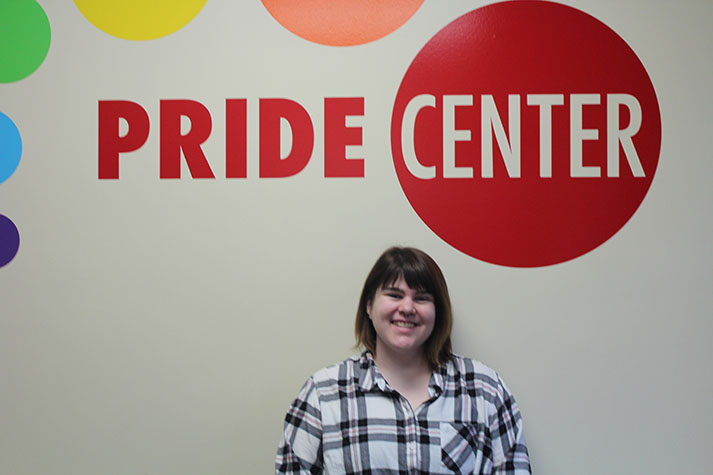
(139, 19)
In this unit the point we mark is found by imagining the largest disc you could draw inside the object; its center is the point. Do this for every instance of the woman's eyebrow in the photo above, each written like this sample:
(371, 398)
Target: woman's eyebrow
(391, 288)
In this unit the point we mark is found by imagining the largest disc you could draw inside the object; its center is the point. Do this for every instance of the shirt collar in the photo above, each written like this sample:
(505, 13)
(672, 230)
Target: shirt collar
(370, 376)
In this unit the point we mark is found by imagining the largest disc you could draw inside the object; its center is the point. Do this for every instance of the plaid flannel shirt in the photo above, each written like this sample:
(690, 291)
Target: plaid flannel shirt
(348, 420)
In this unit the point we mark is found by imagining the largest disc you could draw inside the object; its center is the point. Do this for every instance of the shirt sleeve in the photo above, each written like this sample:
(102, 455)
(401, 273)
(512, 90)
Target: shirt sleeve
(510, 456)
(300, 449)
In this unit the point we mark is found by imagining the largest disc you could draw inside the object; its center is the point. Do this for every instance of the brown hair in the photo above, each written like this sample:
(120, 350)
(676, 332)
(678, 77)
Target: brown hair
(420, 272)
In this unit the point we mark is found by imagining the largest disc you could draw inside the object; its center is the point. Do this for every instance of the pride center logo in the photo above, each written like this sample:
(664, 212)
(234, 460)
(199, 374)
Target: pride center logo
(524, 133)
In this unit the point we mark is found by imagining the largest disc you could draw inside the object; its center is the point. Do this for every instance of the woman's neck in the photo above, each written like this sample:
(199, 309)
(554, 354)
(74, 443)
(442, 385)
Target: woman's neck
(406, 364)
(409, 374)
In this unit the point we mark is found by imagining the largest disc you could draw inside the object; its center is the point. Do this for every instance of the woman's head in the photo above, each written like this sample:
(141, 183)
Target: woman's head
(420, 272)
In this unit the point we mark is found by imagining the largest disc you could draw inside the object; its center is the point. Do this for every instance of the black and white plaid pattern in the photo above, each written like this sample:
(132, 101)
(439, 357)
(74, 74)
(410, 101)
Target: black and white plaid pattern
(348, 420)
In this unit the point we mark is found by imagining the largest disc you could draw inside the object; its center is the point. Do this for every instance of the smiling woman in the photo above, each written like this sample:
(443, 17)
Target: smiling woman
(407, 404)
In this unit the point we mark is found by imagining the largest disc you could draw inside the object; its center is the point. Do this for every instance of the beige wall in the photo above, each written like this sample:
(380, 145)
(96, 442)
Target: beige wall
(162, 327)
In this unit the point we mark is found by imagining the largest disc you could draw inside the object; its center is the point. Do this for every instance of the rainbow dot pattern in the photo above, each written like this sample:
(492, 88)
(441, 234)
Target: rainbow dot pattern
(24, 43)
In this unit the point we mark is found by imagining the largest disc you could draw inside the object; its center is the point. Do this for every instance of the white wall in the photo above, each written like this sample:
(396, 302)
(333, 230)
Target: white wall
(163, 326)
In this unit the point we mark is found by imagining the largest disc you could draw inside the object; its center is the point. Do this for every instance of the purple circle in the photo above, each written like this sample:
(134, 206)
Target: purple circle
(9, 240)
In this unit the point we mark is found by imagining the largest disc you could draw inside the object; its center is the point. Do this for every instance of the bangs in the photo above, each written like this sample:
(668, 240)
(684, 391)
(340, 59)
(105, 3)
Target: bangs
(416, 274)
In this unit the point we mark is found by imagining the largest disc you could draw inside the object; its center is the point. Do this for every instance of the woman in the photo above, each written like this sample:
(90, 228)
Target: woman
(407, 404)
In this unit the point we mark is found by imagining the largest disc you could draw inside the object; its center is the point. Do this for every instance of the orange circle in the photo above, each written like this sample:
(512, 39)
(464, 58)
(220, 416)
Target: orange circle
(342, 22)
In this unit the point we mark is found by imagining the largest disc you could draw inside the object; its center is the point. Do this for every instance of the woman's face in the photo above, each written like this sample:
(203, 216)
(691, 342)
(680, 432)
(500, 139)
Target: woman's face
(402, 317)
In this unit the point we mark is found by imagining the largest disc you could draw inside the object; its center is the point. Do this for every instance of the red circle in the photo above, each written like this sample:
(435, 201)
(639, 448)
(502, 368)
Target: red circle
(527, 49)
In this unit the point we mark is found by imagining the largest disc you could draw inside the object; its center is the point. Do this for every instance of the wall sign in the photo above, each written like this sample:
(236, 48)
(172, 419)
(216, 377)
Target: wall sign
(524, 134)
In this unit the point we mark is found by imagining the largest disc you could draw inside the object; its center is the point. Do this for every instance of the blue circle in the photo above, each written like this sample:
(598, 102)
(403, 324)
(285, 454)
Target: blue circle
(10, 147)
(9, 240)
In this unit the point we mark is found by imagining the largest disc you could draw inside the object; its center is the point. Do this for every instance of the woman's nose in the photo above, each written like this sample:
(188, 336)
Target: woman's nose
(407, 306)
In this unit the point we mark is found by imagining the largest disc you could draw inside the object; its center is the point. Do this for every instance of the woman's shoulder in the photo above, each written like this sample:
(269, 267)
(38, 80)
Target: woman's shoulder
(472, 366)
(474, 373)
(340, 373)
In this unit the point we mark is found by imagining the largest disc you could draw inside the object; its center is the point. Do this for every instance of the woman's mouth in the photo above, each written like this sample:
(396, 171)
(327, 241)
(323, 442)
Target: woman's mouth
(404, 324)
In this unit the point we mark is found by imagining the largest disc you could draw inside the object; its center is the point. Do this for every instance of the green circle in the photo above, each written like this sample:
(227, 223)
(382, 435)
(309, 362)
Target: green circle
(24, 38)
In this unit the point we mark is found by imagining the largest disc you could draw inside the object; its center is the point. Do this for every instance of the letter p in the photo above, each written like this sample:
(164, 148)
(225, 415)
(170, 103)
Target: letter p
(111, 144)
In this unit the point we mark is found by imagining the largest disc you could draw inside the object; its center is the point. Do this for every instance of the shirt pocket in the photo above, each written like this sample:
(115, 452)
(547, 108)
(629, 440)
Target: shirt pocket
(464, 449)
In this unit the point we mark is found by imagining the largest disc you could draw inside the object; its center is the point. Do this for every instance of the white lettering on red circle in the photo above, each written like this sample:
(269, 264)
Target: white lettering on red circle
(526, 133)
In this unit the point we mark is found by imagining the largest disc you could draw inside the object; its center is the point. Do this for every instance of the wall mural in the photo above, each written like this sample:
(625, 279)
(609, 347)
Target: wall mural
(189, 191)
(524, 134)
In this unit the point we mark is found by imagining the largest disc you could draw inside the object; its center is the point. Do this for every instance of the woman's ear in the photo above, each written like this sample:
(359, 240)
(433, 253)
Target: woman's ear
(368, 308)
